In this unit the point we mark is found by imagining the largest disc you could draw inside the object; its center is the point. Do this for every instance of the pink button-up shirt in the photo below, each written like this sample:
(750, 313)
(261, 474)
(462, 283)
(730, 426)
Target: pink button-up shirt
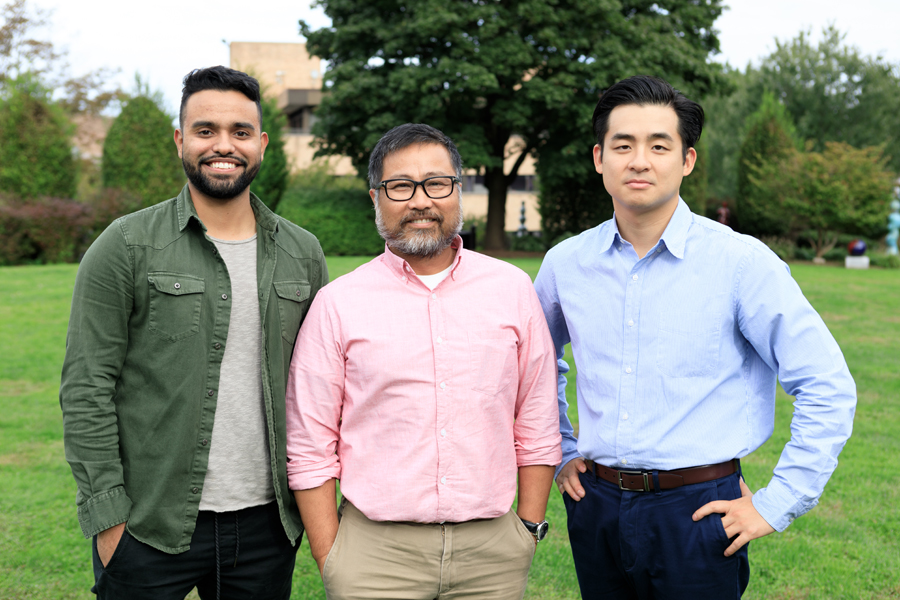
(423, 403)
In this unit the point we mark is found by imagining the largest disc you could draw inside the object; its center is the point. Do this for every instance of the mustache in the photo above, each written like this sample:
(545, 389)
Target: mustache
(422, 214)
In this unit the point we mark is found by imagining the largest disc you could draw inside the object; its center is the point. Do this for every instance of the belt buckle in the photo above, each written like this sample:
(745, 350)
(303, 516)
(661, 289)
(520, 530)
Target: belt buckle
(645, 475)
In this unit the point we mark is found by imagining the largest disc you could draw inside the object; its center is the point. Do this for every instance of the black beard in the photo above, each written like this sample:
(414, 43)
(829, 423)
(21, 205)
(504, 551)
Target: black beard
(225, 190)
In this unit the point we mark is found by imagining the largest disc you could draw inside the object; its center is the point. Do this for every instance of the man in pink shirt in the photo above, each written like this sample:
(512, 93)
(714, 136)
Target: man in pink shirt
(425, 381)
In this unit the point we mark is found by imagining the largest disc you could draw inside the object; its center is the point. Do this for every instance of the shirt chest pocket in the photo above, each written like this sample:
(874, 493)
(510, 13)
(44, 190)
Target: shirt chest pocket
(293, 302)
(493, 360)
(688, 346)
(175, 303)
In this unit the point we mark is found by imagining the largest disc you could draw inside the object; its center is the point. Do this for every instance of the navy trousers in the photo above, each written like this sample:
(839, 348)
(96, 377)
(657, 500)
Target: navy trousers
(255, 561)
(644, 545)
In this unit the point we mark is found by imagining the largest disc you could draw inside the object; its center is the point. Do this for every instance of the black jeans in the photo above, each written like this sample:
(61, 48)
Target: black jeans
(235, 555)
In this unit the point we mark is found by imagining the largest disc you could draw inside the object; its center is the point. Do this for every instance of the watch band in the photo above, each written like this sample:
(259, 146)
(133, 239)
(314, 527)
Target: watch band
(538, 530)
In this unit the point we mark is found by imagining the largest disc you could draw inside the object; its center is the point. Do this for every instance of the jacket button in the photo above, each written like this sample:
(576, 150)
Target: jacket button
(177, 286)
(224, 296)
(204, 442)
(195, 490)
(298, 292)
(209, 393)
(218, 346)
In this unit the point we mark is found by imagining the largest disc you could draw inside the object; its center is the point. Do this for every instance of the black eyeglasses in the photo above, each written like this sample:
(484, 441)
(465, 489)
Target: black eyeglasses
(401, 190)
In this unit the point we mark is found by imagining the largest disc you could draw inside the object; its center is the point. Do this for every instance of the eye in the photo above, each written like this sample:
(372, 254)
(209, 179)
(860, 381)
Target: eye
(242, 134)
(400, 186)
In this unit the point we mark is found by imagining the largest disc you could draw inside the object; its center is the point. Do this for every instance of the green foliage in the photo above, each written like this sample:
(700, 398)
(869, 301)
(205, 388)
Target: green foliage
(843, 190)
(771, 138)
(272, 179)
(337, 210)
(833, 93)
(572, 197)
(485, 71)
(35, 153)
(885, 261)
(139, 155)
(830, 90)
(695, 187)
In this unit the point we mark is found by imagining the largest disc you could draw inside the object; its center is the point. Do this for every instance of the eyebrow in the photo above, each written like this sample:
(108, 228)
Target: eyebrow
(427, 175)
(653, 136)
(211, 125)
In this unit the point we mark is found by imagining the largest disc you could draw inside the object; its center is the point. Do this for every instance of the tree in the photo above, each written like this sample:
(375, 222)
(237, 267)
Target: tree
(139, 156)
(840, 190)
(695, 187)
(833, 93)
(486, 71)
(770, 140)
(35, 153)
(830, 91)
(272, 179)
(24, 55)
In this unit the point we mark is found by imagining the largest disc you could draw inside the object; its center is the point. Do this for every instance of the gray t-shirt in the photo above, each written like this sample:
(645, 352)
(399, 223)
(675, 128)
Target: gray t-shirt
(239, 473)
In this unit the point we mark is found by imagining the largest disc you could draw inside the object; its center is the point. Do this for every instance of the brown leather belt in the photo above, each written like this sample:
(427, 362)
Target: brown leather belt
(642, 481)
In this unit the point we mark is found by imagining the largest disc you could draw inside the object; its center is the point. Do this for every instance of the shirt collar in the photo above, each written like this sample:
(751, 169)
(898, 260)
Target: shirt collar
(186, 211)
(401, 269)
(674, 237)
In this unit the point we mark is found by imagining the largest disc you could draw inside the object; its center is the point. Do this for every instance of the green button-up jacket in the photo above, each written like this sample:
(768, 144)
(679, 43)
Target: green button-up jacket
(147, 334)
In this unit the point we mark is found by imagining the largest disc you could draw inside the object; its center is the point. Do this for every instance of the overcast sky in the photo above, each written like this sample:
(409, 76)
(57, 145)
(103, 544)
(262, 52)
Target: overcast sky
(164, 39)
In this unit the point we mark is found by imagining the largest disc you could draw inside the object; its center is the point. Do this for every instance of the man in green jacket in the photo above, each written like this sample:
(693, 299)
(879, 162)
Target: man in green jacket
(183, 324)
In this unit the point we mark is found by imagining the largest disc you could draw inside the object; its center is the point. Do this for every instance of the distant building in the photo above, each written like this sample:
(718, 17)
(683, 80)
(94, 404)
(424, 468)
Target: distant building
(289, 74)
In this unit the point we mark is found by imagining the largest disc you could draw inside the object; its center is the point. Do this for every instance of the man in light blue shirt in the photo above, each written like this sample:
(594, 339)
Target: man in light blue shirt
(680, 328)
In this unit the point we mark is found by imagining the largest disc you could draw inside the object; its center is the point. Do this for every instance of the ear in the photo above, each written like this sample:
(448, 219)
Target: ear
(598, 158)
(264, 141)
(373, 194)
(179, 141)
(689, 161)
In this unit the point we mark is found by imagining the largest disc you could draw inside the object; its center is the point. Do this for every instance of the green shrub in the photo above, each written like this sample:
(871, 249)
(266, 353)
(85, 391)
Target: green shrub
(272, 179)
(885, 261)
(342, 219)
(139, 154)
(783, 247)
(35, 152)
(527, 243)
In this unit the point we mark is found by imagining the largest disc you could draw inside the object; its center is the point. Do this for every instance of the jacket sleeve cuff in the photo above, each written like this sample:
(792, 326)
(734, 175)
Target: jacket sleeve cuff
(103, 511)
(777, 505)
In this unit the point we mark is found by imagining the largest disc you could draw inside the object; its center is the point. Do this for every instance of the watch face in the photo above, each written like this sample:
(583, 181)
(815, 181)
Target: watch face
(542, 530)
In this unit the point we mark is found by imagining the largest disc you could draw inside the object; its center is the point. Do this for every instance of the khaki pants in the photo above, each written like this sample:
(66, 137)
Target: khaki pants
(487, 558)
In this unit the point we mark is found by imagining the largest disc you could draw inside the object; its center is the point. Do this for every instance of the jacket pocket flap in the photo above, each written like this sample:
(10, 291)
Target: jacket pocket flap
(298, 291)
(176, 284)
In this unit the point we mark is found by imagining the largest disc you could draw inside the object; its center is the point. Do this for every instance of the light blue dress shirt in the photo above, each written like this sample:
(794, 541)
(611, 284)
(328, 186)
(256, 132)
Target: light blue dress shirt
(678, 355)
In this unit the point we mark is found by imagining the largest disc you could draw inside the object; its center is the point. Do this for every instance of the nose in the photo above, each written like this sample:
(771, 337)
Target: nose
(420, 200)
(639, 160)
(223, 144)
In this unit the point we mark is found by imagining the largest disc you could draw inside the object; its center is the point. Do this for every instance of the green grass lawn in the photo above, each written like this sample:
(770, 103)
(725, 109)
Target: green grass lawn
(847, 547)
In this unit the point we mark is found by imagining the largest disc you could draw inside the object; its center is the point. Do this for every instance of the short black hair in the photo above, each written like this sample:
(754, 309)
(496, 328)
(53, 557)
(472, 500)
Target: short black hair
(406, 135)
(645, 90)
(222, 79)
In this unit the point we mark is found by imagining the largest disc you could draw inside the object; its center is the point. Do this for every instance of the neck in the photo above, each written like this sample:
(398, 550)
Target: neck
(643, 230)
(230, 219)
(428, 266)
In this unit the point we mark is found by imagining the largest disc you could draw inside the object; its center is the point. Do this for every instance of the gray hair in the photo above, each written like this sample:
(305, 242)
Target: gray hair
(406, 135)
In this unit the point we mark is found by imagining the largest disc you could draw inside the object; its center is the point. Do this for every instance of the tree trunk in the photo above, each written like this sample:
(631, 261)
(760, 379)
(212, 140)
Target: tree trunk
(496, 183)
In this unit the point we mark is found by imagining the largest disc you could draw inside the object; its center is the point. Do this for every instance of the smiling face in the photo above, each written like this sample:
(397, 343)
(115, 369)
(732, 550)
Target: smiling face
(420, 227)
(641, 160)
(221, 146)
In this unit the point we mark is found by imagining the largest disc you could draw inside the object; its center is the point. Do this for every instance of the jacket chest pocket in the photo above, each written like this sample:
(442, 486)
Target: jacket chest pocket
(293, 302)
(175, 303)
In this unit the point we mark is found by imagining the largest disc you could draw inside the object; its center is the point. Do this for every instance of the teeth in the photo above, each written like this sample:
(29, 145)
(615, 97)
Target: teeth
(222, 165)
(421, 221)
